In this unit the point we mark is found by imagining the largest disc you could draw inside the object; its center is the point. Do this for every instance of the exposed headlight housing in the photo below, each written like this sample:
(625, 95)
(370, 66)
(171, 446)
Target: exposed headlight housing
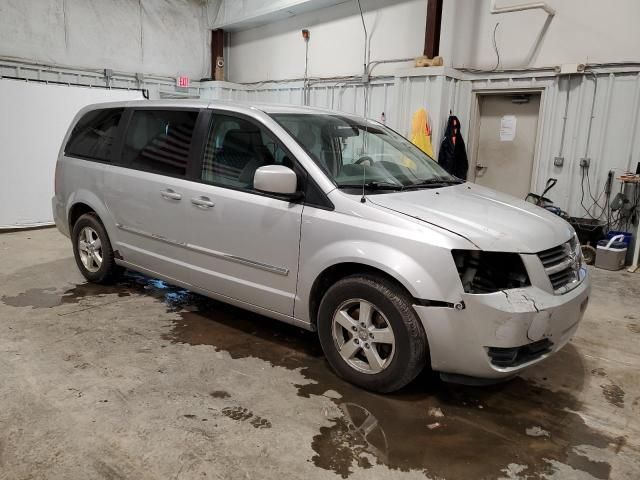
(488, 272)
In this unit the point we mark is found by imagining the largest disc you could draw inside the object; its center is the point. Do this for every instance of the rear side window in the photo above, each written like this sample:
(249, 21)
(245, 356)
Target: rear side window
(94, 134)
(158, 141)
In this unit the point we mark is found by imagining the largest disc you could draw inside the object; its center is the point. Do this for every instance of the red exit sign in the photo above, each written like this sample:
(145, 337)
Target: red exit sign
(183, 81)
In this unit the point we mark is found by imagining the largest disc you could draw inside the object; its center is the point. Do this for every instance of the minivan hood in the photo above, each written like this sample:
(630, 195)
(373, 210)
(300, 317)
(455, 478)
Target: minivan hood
(491, 220)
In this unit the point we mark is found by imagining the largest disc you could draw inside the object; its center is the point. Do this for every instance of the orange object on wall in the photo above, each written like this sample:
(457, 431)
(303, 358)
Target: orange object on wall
(421, 131)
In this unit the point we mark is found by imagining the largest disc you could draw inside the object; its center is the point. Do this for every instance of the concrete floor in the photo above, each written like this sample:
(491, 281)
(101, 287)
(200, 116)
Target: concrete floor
(142, 380)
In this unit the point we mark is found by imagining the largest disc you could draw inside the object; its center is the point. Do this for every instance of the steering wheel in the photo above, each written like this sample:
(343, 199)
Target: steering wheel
(363, 159)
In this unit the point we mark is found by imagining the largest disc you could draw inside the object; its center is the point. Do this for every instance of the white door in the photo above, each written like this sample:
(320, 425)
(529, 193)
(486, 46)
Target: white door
(506, 141)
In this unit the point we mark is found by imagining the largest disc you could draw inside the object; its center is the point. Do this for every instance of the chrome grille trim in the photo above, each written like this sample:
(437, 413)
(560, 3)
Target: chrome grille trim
(562, 265)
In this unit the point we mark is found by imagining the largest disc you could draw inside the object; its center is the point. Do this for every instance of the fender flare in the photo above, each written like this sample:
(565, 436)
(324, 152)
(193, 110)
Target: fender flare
(414, 277)
(93, 201)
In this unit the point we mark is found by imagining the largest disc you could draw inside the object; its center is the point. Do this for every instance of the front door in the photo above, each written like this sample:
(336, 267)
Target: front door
(245, 243)
(506, 142)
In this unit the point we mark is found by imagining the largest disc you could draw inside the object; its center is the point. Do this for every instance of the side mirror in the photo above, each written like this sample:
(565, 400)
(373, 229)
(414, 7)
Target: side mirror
(275, 179)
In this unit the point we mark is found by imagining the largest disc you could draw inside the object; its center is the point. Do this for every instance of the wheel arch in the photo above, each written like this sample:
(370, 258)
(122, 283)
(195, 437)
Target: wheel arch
(338, 271)
(76, 211)
(84, 201)
(427, 273)
(395, 303)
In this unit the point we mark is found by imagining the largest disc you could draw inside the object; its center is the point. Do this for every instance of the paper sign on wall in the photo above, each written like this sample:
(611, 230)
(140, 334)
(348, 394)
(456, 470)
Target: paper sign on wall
(508, 128)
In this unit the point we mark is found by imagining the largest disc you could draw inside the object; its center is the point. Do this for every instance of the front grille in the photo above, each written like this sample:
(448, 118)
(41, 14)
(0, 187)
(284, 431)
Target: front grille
(562, 265)
(512, 357)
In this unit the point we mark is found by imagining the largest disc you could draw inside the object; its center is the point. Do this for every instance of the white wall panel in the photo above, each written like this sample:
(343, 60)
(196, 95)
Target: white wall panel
(33, 121)
(581, 31)
(277, 50)
(89, 33)
(163, 37)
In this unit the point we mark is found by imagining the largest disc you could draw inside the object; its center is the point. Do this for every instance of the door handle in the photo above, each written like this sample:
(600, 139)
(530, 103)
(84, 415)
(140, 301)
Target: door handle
(202, 202)
(170, 194)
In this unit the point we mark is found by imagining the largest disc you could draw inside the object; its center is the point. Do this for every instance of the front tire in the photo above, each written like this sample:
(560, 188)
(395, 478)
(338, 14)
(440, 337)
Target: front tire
(92, 250)
(371, 334)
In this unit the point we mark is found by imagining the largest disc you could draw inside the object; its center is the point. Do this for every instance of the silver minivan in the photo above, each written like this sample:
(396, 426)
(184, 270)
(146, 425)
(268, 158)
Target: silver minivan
(327, 221)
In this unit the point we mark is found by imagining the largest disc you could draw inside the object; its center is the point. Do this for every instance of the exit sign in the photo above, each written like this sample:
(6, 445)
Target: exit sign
(182, 81)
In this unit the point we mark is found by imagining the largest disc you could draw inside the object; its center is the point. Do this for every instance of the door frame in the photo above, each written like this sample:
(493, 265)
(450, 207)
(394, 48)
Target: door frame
(474, 127)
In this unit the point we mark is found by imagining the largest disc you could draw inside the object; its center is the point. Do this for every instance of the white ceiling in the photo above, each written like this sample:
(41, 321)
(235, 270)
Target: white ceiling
(234, 15)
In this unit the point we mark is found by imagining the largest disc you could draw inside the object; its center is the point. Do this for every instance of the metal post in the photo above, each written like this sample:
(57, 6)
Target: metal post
(217, 50)
(432, 32)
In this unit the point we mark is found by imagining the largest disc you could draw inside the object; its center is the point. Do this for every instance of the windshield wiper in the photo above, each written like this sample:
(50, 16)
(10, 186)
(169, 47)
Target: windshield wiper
(436, 182)
(373, 186)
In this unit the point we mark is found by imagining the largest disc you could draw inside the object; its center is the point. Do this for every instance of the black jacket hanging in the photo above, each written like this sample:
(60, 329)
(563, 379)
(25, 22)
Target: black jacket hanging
(453, 155)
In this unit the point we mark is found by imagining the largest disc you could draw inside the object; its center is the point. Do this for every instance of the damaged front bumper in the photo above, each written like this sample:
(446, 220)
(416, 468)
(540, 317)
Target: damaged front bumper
(499, 334)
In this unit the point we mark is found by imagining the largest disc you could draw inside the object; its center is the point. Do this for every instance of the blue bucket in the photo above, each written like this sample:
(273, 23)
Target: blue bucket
(627, 236)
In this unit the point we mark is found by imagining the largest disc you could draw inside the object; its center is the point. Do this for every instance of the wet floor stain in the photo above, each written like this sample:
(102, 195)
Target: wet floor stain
(341, 447)
(241, 414)
(466, 440)
(131, 282)
(614, 395)
(52, 297)
(220, 394)
(477, 431)
(619, 443)
(444, 430)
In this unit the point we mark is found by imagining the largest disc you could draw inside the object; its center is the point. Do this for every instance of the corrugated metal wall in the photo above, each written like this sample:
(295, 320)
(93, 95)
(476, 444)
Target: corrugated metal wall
(614, 143)
(614, 133)
(615, 137)
(440, 91)
(341, 96)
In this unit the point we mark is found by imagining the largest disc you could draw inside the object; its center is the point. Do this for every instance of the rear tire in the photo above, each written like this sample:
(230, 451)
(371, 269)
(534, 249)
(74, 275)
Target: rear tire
(371, 334)
(92, 250)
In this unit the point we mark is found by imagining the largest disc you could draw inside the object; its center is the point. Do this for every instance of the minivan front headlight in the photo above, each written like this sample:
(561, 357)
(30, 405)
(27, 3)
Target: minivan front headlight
(488, 272)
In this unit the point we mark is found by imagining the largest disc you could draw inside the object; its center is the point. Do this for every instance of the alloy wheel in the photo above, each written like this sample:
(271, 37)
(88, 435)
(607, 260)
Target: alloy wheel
(363, 336)
(90, 249)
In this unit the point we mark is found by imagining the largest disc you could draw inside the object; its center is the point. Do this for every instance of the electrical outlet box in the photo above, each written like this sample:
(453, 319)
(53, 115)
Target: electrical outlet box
(558, 161)
(569, 68)
(585, 162)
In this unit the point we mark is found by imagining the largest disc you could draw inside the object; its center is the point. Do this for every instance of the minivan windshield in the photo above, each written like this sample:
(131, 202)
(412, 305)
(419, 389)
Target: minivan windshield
(355, 152)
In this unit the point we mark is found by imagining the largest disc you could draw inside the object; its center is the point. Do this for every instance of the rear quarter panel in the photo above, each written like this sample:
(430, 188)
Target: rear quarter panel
(82, 181)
